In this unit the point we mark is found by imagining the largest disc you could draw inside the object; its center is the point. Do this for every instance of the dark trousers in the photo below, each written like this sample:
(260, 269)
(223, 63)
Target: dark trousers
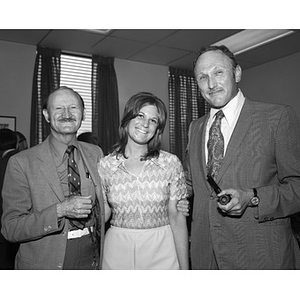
(8, 252)
(80, 254)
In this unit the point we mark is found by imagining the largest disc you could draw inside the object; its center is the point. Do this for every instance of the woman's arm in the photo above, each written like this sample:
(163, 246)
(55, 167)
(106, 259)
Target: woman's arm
(107, 211)
(180, 233)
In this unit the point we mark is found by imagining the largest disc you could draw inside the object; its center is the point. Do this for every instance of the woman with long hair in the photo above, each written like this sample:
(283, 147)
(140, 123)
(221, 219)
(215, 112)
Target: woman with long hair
(142, 185)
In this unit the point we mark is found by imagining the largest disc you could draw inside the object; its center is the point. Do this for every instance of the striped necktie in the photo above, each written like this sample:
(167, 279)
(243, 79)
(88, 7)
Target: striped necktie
(215, 146)
(73, 173)
(74, 183)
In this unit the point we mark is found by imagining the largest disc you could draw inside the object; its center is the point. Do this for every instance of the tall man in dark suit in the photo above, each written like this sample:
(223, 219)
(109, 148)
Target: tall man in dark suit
(38, 209)
(8, 147)
(253, 153)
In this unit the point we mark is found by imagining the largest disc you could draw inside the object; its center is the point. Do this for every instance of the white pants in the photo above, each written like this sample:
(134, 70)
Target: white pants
(139, 249)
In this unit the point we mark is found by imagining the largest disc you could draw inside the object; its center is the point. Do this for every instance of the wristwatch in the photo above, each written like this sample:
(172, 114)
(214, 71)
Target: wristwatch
(254, 201)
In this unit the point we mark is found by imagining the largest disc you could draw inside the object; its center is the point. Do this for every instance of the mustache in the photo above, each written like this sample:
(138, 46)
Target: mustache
(215, 90)
(70, 119)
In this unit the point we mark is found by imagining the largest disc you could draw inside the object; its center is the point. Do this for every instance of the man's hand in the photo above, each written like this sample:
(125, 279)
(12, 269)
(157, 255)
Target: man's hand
(75, 207)
(184, 207)
(238, 203)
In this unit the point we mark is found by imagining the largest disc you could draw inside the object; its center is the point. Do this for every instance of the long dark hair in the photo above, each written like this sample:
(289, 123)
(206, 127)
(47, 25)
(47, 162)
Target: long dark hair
(132, 109)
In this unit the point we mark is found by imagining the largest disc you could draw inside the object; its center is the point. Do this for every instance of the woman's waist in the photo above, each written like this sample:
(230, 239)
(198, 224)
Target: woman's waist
(139, 230)
(139, 217)
(140, 223)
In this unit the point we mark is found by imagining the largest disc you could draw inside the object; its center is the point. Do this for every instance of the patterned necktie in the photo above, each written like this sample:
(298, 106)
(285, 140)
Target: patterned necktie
(215, 146)
(73, 173)
(74, 183)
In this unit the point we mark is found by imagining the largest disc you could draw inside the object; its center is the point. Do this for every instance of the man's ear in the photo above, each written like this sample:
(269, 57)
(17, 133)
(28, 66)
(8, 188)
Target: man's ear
(46, 115)
(238, 74)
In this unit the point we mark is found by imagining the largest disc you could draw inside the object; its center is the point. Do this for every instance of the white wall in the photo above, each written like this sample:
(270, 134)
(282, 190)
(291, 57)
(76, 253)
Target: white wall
(277, 81)
(16, 75)
(136, 77)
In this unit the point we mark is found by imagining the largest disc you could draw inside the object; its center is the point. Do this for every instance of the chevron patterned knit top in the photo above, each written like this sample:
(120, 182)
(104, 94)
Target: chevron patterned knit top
(142, 202)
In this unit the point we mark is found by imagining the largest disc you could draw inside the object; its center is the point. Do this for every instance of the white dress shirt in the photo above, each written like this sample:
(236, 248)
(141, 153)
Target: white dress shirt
(231, 112)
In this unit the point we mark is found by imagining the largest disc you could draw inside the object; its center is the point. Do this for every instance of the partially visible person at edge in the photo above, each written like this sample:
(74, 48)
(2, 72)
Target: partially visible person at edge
(142, 185)
(22, 141)
(260, 171)
(88, 137)
(8, 148)
(38, 210)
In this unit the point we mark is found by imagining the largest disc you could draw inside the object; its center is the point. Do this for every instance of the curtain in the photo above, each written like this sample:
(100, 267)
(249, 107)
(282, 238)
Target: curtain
(186, 105)
(105, 101)
(45, 79)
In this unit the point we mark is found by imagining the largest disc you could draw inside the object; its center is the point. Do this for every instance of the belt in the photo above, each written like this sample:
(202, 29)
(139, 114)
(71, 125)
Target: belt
(74, 234)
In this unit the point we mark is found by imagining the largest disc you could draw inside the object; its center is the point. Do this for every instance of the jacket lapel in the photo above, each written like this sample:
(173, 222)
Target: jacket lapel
(88, 159)
(242, 126)
(46, 165)
(203, 146)
(199, 136)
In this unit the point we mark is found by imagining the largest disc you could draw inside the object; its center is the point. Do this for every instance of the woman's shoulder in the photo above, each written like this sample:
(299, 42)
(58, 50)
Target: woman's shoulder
(168, 157)
(109, 158)
(110, 162)
(105, 166)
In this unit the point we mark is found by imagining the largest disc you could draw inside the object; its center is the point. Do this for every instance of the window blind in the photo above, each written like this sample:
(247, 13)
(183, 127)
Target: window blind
(76, 72)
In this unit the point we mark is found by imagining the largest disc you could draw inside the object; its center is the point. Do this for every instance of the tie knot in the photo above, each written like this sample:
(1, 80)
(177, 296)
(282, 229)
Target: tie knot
(70, 149)
(219, 115)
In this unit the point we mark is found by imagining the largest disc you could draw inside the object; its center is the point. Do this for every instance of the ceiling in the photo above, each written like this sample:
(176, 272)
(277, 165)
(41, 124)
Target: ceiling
(167, 47)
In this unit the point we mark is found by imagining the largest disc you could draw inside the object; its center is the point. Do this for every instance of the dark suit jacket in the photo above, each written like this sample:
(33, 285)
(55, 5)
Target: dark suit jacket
(263, 153)
(30, 193)
(7, 250)
(3, 165)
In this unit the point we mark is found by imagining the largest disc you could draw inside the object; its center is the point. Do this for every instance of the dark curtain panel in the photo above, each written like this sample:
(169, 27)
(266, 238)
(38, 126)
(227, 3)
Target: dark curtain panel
(45, 79)
(186, 105)
(105, 102)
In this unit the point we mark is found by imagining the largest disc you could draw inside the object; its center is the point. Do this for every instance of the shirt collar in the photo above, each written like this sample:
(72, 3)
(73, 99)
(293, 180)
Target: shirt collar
(120, 161)
(231, 109)
(59, 148)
